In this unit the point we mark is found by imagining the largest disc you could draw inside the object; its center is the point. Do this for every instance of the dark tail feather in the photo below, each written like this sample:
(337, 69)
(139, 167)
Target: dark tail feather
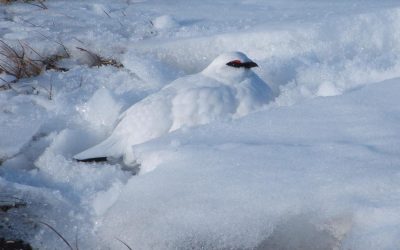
(97, 159)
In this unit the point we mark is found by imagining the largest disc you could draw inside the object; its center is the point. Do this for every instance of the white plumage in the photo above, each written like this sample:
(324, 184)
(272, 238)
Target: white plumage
(226, 89)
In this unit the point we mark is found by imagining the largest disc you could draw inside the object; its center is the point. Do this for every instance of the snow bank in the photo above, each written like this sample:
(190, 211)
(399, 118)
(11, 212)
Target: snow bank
(324, 58)
(239, 184)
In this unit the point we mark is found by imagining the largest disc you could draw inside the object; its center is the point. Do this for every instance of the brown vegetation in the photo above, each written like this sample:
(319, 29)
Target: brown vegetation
(38, 3)
(21, 62)
(97, 60)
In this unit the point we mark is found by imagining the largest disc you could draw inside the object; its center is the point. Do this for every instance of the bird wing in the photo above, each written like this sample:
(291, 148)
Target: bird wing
(202, 104)
(145, 120)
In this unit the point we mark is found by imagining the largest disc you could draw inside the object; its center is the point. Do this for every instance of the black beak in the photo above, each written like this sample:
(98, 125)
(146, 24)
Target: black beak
(238, 64)
(249, 65)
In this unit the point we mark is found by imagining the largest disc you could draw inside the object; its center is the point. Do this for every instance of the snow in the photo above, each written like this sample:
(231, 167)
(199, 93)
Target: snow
(101, 110)
(165, 22)
(317, 168)
(243, 178)
(16, 114)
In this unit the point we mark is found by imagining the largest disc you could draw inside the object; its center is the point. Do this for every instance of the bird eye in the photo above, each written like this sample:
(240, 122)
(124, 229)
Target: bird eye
(235, 63)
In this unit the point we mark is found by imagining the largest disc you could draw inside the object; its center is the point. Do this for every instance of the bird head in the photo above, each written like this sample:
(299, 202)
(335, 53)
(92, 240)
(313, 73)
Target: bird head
(230, 67)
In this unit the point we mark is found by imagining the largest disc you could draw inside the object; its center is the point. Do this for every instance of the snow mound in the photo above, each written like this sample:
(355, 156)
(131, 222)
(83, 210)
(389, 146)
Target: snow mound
(101, 111)
(259, 182)
(165, 22)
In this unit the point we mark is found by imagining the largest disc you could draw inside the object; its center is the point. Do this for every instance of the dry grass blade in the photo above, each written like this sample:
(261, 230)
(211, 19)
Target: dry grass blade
(18, 64)
(76, 241)
(124, 243)
(106, 13)
(97, 61)
(50, 62)
(37, 3)
(24, 62)
(59, 235)
(66, 51)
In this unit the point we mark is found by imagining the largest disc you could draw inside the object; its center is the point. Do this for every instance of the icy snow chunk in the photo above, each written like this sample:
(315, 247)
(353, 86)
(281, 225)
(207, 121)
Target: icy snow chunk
(14, 135)
(327, 89)
(165, 22)
(20, 120)
(68, 142)
(99, 9)
(103, 200)
(150, 70)
(72, 177)
(101, 111)
(150, 161)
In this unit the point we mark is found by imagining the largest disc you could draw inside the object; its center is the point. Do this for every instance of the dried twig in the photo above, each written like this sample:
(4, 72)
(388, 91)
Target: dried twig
(109, 16)
(50, 62)
(97, 60)
(78, 40)
(67, 54)
(50, 90)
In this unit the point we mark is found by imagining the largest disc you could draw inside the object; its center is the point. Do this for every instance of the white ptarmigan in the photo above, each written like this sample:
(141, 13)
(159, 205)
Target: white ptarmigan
(226, 89)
